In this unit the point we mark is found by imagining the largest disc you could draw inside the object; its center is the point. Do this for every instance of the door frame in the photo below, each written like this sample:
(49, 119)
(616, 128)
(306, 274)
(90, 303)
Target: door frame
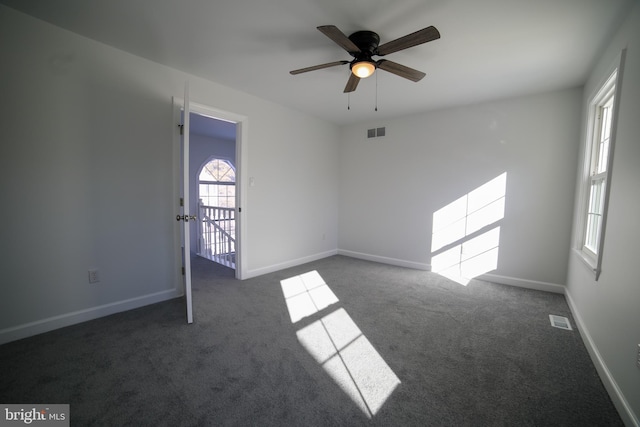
(242, 126)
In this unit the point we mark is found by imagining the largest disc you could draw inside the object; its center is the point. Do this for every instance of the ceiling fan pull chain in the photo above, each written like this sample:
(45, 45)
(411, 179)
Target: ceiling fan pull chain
(376, 91)
(349, 101)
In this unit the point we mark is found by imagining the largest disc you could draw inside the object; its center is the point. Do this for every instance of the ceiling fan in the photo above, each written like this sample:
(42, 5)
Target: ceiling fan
(363, 45)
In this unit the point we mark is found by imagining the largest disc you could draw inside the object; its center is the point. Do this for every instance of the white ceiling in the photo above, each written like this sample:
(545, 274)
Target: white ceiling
(489, 49)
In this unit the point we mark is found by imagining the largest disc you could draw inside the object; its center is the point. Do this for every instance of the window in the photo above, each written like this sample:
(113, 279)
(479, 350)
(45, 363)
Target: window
(598, 172)
(217, 184)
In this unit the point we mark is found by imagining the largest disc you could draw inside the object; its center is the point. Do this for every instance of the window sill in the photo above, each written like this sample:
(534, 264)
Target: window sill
(589, 262)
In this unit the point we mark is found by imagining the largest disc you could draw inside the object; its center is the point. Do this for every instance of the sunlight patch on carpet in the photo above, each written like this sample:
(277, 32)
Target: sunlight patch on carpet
(337, 344)
(306, 294)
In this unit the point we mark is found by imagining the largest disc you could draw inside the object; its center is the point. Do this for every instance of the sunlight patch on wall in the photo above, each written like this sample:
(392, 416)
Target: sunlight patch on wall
(337, 344)
(466, 239)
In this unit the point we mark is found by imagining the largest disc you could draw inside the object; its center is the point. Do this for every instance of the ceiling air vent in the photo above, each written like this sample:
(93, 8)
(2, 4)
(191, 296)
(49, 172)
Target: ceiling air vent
(560, 322)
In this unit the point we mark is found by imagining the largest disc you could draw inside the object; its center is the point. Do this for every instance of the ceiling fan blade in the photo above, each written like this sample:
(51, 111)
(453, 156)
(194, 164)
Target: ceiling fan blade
(401, 70)
(318, 67)
(352, 83)
(421, 36)
(339, 38)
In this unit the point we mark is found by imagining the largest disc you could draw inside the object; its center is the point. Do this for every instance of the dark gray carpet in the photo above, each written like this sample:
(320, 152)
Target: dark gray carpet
(480, 355)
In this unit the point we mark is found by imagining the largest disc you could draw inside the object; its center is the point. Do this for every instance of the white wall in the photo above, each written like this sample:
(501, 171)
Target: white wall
(609, 309)
(86, 166)
(392, 185)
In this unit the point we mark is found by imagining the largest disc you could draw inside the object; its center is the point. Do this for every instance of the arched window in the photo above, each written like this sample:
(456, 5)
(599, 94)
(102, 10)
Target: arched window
(217, 184)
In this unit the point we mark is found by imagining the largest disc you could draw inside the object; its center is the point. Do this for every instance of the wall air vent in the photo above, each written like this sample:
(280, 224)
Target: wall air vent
(560, 322)
(376, 132)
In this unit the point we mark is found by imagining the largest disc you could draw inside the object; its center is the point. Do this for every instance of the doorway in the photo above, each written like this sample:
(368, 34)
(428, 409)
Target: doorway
(212, 153)
(235, 127)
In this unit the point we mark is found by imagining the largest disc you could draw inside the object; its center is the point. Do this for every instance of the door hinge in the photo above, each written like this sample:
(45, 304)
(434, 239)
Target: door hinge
(239, 209)
(181, 201)
(183, 271)
(181, 129)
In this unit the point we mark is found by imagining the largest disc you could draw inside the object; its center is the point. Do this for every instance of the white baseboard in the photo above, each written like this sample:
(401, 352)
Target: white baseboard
(45, 325)
(618, 399)
(281, 266)
(495, 278)
(523, 283)
(385, 260)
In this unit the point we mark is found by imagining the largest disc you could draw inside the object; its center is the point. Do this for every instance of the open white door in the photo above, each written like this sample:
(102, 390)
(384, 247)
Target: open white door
(186, 217)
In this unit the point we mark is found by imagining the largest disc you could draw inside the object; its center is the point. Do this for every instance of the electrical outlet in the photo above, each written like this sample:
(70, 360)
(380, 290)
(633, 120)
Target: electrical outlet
(93, 276)
(638, 357)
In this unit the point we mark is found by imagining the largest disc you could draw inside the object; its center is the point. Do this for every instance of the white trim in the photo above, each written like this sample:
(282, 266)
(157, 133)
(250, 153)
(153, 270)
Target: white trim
(385, 260)
(242, 180)
(45, 325)
(588, 261)
(277, 267)
(523, 283)
(616, 395)
(495, 278)
(177, 192)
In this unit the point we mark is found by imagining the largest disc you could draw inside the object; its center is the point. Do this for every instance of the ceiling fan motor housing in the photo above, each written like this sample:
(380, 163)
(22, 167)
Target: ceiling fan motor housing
(367, 42)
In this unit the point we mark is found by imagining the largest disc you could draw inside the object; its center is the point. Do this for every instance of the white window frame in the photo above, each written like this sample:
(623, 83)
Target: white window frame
(226, 183)
(597, 180)
(590, 244)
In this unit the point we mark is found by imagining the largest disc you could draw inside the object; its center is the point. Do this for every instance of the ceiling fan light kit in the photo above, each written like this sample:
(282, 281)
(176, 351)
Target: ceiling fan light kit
(363, 69)
(363, 45)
